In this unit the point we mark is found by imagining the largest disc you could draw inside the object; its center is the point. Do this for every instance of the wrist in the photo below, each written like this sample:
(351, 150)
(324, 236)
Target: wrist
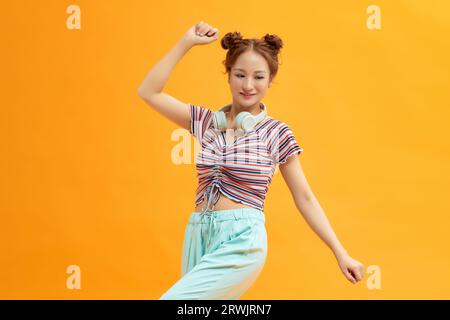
(339, 252)
(186, 43)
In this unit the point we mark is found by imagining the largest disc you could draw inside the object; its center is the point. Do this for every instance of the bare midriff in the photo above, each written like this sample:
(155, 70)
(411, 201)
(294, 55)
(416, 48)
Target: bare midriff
(224, 203)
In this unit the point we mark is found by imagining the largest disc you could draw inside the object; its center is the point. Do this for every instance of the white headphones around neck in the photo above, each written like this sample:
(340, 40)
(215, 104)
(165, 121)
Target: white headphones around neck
(244, 120)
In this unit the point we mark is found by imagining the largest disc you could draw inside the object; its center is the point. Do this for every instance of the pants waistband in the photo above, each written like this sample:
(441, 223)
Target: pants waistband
(229, 214)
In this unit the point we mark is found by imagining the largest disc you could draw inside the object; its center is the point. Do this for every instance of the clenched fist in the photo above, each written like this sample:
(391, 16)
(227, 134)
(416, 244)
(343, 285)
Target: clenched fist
(201, 33)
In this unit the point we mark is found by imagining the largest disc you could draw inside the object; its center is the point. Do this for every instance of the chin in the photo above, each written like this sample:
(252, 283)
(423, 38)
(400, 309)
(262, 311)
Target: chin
(251, 101)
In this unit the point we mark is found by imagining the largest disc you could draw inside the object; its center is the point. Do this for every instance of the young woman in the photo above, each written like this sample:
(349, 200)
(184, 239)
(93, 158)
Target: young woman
(225, 241)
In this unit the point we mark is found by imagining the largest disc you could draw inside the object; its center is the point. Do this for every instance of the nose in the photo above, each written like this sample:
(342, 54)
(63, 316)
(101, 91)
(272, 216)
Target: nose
(248, 85)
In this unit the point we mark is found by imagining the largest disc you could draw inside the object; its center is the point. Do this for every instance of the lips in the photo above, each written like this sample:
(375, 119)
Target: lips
(247, 95)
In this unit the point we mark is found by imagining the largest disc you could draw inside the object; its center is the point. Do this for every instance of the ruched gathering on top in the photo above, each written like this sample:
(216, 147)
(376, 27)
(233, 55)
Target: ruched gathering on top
(242, 170)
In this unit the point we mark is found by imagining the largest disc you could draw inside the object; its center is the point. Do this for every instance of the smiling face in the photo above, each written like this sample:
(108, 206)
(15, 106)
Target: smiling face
(250, 74)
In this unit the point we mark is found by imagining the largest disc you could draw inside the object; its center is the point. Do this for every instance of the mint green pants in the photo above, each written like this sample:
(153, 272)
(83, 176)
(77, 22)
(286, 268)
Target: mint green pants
(224, 252)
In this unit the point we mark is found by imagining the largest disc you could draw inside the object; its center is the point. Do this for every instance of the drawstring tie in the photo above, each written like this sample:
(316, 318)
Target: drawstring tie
(211, 194)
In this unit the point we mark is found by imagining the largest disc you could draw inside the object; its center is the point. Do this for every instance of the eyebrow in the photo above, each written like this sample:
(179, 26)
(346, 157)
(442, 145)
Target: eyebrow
(255, 71)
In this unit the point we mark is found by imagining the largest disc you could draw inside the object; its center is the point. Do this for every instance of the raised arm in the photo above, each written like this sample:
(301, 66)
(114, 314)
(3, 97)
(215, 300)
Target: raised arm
(151, 89)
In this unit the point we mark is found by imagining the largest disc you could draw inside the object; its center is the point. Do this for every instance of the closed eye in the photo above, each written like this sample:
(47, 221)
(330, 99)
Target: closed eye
(240, 76)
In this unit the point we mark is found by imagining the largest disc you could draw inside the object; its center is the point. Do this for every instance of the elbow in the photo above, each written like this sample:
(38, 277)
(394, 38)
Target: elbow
(140, 92)
(146, 94)
(304, 198)
(308, 196)
(303, 203)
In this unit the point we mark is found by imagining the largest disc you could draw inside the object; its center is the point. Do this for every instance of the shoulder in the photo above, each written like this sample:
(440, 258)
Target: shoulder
(200, 111)
(200, 120)
(276, 124)
(278, 132)
(272, 130)
(201, 116)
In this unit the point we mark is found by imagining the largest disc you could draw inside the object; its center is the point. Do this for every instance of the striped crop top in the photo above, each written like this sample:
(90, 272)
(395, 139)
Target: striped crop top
(241, 170)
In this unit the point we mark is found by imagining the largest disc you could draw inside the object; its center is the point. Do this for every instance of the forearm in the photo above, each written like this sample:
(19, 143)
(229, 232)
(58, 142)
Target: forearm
(158, 76)
(318, 221)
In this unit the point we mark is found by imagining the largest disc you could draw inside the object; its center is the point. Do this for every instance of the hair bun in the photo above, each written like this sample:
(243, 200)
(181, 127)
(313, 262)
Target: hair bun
(230, 40)
(273, 41)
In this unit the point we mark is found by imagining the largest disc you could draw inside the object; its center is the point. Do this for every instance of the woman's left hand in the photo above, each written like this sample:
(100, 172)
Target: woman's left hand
(352, 269)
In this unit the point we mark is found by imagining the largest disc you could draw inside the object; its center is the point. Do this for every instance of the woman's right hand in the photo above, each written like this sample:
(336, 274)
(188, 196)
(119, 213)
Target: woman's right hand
(201, 33)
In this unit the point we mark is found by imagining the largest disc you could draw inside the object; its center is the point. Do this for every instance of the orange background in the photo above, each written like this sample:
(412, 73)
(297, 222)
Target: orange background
(87, 177)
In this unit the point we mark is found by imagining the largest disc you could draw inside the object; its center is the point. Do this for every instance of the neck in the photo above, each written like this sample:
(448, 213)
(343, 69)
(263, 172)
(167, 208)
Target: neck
(236, 108)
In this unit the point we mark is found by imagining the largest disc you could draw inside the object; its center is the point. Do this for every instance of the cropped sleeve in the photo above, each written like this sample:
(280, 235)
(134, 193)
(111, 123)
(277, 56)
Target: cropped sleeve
(201, 118)
(283, 144)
